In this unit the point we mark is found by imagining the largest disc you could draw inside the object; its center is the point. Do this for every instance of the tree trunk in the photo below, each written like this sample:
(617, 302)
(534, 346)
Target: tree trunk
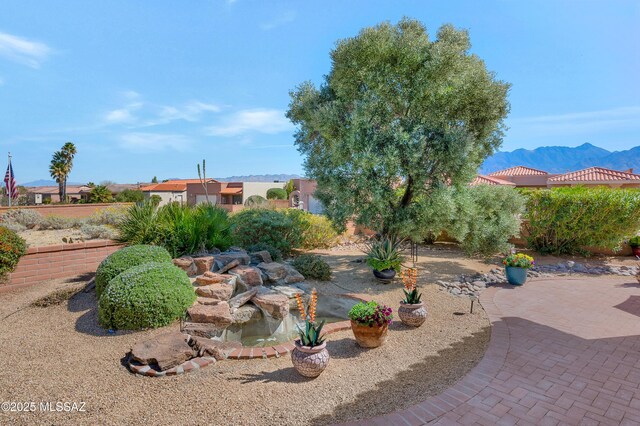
(61, 190)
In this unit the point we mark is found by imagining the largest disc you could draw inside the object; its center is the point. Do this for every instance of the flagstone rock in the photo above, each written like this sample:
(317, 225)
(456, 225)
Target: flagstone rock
(241, 298)
(246, 314)
(230, 265)
(218, 315)
(207, 301)
(262, 256)
(274, 271)
(293, 276)
(220, 291)
(187, 264)
(226, 257)
(204, 263)
(166, 350)
(273, 303)
(213, 348)
(210, 278)
(247, 275)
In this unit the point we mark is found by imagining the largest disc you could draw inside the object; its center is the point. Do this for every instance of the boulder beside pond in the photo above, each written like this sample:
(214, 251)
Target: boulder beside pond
(166, 350)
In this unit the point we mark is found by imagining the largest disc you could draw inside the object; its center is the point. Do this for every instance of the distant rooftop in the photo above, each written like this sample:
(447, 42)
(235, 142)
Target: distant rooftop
(488, 180)
(596, 174)
(177, 185)
(519, 171)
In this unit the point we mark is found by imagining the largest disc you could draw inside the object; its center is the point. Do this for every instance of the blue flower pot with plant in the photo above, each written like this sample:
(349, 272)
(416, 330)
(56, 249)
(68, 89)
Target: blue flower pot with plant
(383, 255)
(516, 266)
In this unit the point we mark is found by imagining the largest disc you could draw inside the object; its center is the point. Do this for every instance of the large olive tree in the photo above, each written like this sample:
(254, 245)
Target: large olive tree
(398, 116)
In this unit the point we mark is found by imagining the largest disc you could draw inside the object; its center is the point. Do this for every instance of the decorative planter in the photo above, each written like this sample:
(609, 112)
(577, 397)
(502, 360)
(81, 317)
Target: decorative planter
(369, 337)
(516, 275)
(635, 251)
(414, 314)
(308, 361)
(385, 275)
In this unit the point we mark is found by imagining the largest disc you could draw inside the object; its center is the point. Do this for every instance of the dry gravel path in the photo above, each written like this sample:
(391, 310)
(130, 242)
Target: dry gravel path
(59, 353)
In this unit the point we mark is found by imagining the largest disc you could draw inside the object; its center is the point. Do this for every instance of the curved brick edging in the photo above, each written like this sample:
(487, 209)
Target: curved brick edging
(468, 387)
(185, 367)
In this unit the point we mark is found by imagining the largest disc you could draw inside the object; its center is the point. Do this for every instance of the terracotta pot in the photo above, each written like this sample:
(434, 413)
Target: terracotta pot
(369, 337)
(308, 361)
(414, 314)
(635, 251)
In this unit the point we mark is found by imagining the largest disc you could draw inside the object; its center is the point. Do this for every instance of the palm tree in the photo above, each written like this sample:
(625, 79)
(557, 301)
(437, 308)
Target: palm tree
(60, 167)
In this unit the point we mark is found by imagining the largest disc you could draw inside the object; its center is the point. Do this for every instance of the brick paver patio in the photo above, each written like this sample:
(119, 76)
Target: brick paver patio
(563, 351)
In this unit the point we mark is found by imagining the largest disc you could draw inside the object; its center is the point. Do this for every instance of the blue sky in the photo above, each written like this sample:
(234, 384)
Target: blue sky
(151, 87)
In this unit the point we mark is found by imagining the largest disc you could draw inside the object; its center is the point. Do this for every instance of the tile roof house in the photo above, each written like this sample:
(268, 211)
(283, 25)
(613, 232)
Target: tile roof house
(169, 191)
(231, 196)
(489, 180)
(523, 177)
(597, 176)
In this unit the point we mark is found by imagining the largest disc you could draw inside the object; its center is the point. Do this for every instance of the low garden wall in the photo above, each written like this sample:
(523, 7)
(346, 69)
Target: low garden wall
(59, 261)
(67, 210)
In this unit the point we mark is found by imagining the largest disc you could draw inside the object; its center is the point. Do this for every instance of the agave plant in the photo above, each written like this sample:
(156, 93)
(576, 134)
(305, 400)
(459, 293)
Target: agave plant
(311, 334)
(384, 254)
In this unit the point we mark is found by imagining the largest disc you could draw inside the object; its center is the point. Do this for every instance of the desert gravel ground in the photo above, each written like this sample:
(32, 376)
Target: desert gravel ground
(59, 353)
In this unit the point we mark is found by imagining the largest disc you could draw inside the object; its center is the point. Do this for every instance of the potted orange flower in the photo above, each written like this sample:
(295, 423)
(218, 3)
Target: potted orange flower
(412, 311)
(310, 356)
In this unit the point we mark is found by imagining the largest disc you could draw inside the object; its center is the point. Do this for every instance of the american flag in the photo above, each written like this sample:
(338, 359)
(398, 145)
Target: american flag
(10, 182)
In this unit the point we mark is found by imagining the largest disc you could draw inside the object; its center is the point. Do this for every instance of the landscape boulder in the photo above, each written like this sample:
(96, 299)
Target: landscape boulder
(207, 300)
(262, 256)
(230, 265)
(211, 278)
(274, 271)
(220, 291)
(204, 263)
(293, 276)
(272, 303)
(246, 314)
(166, 350)
(241, 298)
(217, 315)
(187, 264)
(247, 276)
(226, 257)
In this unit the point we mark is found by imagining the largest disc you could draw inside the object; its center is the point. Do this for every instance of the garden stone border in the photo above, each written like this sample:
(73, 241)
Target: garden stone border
(187, 366)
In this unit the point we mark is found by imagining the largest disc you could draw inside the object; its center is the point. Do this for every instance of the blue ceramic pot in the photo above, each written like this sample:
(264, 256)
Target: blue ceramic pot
(516, 275)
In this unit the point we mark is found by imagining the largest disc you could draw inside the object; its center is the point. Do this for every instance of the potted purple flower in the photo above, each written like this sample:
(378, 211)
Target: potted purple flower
(370, 323)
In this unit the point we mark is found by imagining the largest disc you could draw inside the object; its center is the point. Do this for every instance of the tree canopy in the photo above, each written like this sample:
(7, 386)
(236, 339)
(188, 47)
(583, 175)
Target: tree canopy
(398, 116)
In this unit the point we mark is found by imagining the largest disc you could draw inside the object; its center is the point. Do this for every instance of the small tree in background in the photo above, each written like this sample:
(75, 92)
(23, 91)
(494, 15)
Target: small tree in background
(289, 187)
(154, 180)
(100, 194)
(276, 194)
(398, 116)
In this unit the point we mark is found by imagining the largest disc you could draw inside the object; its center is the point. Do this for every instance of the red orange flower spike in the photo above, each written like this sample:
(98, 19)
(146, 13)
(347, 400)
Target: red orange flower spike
(300, 306)
(312, 307)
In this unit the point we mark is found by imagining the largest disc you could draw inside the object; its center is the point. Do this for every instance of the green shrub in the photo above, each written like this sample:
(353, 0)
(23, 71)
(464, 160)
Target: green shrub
(25, 217)
(178, 228)
(569, 220)
(99, 231)
(276, 194)
(60, 222)
(130, 196)
(316, 231)
(145, 296)
(267, 226)
(155, 199)
(276, 255)
(384, 254)
(15, 227)
(126, 258)
(107, 216)
(312, 266)
(12, 248)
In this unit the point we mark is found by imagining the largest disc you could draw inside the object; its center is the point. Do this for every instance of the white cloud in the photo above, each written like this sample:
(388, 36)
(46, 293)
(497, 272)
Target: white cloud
(153, 142)
(282, 19)
(577, 123)
(269, 121)
(191, 111)
(23, 51)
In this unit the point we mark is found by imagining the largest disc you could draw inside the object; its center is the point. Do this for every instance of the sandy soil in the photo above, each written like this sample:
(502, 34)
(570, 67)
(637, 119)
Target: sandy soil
(50, 237)
(59, 353)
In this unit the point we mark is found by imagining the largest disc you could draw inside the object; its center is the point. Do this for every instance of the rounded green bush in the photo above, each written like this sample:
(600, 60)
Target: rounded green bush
(145, 296)
(272, 227)
(276, 194)
(276, 255)
(312, 266)
(126, 258)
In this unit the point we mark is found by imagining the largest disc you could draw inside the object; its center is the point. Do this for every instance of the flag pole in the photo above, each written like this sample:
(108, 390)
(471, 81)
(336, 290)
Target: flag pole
(9, 192)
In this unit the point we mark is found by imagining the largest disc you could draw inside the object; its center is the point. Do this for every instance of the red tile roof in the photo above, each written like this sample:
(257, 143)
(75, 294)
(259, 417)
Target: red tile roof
(596, 174)
(231, 191)
(488, 180)
(176, 185)
(519, 171)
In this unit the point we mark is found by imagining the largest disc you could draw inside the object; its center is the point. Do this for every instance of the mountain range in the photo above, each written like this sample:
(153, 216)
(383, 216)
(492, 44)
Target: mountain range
(561, 159)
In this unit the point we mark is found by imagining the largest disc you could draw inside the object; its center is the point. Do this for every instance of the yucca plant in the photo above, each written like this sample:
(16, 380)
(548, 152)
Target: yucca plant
(139, 225)
(311, 335)
(384, 253)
